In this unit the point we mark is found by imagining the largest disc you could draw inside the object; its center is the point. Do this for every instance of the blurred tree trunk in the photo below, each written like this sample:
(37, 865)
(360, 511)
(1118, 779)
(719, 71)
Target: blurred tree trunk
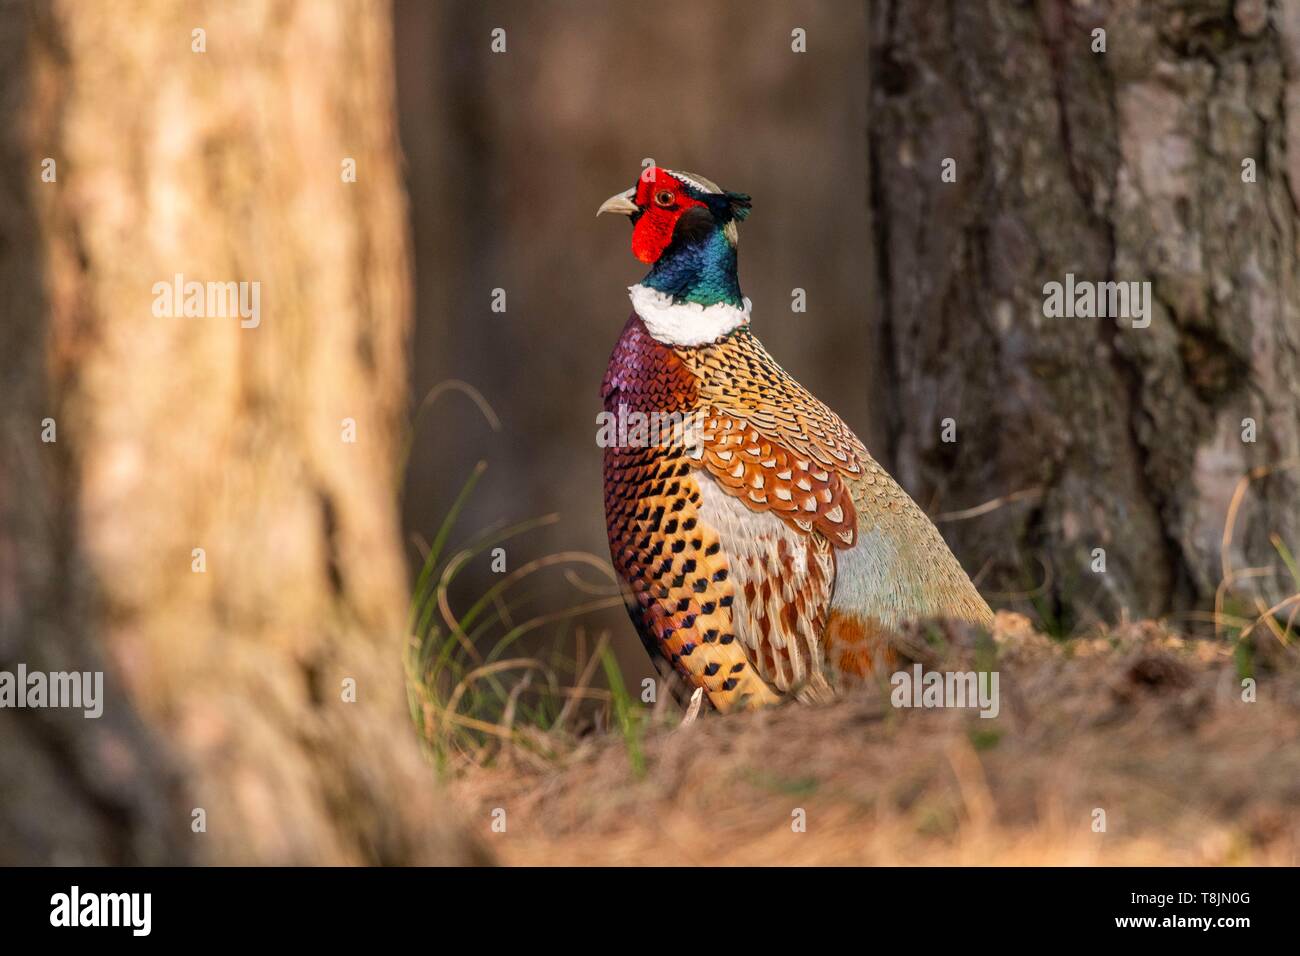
(1124, 165)
(225, 689)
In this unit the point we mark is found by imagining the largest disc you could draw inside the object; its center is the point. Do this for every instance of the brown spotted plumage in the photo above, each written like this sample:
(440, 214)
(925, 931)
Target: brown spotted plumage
(765, 553)
(678, 579)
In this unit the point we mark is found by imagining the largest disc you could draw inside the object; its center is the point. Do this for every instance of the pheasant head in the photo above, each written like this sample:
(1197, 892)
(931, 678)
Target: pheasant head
(684, 228)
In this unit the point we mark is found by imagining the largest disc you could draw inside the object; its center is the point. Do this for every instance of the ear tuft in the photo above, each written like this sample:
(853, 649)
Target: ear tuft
(740, 205)
(694, 224)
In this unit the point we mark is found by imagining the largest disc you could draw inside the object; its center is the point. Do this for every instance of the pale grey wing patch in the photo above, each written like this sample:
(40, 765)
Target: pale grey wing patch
(901, 569)
(782, 580)
(867, 581)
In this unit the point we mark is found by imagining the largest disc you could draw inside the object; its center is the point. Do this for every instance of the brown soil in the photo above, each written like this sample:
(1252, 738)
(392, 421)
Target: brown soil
(1140, 723)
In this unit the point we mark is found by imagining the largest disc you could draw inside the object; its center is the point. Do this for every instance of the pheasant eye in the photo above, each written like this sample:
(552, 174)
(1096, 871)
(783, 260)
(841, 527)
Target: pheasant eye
(664, 197)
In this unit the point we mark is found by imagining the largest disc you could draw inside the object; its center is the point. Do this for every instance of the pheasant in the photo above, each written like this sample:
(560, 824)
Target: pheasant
(764, 554)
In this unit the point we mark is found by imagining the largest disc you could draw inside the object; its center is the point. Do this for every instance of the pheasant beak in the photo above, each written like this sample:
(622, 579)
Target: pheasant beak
(620, 203)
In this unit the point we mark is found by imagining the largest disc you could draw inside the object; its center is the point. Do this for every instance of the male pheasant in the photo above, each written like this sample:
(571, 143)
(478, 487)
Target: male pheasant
(764, 553)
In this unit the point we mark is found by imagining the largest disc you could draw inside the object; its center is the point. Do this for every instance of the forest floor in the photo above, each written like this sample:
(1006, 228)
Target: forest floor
(1134, 747)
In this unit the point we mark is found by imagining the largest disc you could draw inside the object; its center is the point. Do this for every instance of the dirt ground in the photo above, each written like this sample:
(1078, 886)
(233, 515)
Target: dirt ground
(1140, 724)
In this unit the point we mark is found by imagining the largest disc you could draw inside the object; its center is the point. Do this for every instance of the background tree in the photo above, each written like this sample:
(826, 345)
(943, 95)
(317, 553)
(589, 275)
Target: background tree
(1172, 157)
(225, 688)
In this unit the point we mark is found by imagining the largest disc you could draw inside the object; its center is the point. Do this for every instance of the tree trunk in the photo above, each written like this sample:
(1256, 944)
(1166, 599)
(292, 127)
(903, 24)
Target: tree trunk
(1125, 165)
(226, 673)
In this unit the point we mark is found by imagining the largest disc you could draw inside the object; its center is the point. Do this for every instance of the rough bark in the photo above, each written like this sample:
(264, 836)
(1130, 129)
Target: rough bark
(1124, 165)
(225, 687)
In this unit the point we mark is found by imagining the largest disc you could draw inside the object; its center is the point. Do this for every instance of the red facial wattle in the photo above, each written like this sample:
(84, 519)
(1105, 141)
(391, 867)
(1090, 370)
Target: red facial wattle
(662, 199)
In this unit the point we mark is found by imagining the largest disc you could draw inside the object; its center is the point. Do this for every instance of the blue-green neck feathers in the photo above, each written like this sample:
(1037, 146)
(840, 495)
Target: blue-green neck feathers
(702, 271)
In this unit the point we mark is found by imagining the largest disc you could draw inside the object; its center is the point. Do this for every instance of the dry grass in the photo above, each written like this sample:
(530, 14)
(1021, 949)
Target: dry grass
(1138, 721)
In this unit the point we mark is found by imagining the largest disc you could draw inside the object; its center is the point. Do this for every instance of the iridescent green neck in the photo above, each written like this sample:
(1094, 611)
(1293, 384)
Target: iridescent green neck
(703, 272)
